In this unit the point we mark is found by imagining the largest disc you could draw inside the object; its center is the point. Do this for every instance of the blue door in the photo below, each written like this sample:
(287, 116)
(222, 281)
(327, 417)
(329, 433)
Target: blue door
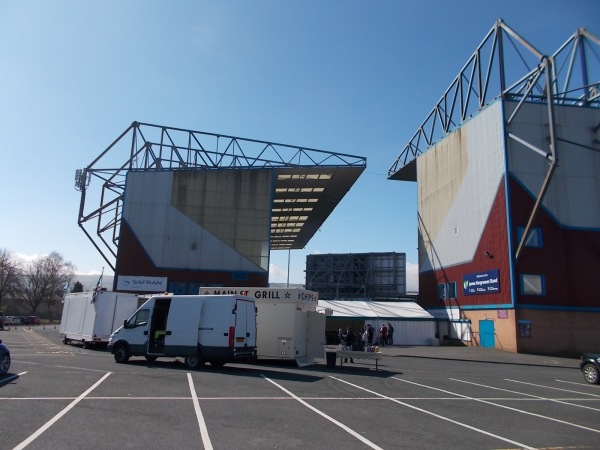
(486, 333)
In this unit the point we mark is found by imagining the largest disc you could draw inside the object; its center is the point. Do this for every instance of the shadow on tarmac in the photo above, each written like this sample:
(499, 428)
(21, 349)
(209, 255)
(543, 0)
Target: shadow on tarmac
(276, 370)
(8, 378)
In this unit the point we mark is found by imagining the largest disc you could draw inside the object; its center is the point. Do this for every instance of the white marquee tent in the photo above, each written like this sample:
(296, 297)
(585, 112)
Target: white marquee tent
(412, 324)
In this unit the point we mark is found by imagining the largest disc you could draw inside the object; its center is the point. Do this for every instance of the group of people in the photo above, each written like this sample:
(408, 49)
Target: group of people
(367, 334)
(386, 334)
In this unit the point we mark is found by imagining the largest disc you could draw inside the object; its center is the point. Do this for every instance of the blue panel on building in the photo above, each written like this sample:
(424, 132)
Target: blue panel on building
(487, 282)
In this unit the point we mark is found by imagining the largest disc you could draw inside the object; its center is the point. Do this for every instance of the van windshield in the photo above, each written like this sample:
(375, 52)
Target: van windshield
(140, 318)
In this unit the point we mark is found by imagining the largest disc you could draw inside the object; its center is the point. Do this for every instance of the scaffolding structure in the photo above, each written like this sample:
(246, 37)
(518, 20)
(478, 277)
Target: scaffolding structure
(357, 276)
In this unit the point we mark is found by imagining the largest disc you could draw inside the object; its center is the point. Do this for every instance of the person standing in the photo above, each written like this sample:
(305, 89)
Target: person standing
(370, 334)
(390, 334)
(365, 336)
(350, 338)
(382, 335)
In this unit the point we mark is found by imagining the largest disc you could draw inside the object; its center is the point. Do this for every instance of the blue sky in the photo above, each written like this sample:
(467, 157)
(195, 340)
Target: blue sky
(349, 76)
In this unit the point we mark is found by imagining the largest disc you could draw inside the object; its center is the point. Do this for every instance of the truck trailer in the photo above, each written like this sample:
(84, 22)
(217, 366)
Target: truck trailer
(90, 318)
(288, 324)
(199, 328)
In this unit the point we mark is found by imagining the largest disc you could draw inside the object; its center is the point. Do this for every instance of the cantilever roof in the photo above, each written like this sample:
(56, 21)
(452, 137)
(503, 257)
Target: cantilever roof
(303, 199)
(308, 183)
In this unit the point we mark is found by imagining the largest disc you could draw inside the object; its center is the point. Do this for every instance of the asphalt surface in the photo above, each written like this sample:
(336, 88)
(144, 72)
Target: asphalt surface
(68, 397)
(476, 354)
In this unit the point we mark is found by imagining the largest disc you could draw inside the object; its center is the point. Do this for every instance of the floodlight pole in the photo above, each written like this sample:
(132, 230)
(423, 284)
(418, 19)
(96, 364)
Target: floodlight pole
(288, 271)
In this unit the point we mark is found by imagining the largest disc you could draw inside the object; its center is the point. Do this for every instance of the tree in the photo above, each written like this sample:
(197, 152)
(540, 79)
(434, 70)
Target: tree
(77, 287)
(44, 280)
(10, 275)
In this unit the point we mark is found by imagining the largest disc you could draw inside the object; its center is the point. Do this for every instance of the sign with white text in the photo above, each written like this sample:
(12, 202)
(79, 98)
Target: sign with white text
(141, 284)
(487, 282)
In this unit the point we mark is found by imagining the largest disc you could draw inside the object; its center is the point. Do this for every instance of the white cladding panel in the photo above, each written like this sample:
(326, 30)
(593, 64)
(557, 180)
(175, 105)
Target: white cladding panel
(458, 181)
(172, 238)
(407, 332)
(573, 192)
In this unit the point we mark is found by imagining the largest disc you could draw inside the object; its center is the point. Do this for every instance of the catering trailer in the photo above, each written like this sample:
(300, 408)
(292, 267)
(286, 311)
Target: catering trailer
(288, 324)
(91, 317)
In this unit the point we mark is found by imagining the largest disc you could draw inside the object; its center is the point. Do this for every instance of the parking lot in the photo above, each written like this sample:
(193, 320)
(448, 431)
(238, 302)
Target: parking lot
(58, 396)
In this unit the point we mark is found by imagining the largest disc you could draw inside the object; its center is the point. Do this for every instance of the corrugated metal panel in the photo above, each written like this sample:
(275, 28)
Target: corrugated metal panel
(408, 332)
(458, 181)
(574, 190)
(170, 226)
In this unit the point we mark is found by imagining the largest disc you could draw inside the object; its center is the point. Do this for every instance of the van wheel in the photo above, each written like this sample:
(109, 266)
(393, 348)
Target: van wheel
(217, 363)
(194, 362)
(121, 354)
(151, 358)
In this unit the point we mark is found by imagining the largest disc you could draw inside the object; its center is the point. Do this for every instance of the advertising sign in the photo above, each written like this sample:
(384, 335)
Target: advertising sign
(487, 282)
(141, 284)
(296, 295)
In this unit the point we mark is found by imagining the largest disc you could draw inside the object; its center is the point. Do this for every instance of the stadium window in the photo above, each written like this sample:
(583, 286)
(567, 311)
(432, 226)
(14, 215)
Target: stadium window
(533, 284)
(441, 291)
(534, 239)
(452, 290)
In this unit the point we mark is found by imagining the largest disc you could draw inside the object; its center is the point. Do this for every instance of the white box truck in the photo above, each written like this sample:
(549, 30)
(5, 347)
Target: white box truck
(288, 324)
(91, 320)
(199, 328)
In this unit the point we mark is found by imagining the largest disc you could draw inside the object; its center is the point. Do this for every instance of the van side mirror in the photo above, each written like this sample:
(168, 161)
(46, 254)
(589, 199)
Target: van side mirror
(125, 323)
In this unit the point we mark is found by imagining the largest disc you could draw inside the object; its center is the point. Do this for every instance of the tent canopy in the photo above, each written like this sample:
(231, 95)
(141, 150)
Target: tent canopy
(374, 310)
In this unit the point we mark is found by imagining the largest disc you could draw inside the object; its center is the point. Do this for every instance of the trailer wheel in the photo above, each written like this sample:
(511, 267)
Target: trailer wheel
(121, 354)
(151, 358)
(65, 340)
(217, 363)
(194, 362)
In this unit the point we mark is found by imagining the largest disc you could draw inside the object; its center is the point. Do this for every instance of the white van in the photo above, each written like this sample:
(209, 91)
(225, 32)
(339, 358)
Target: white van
(199, 328)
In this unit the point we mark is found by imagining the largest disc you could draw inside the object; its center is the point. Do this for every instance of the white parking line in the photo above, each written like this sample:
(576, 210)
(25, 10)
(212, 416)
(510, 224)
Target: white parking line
(576, 383)
(416, 408)
(11, 377)
(51, 422)
(536, 397)
(322, 414)
(497, 404)
(554, 388)
(201, 424)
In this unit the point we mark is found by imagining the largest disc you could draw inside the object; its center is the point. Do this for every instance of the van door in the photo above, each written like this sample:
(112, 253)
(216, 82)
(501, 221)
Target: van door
(158, 326)
(245, 332)
(136, 331)
(182, 322)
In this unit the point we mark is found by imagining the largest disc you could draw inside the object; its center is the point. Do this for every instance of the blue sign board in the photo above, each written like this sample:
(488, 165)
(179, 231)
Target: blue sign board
(487, 282)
